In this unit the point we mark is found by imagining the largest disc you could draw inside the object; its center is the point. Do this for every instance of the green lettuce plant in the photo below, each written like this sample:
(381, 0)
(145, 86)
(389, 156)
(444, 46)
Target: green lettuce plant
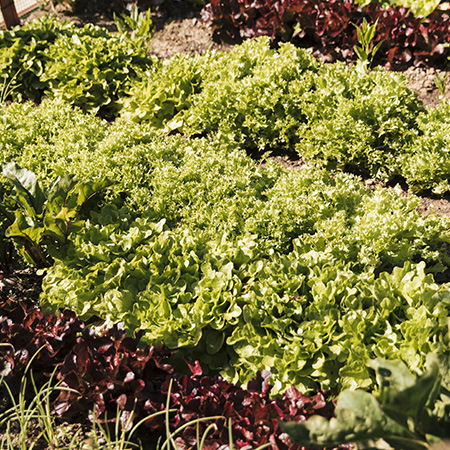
(425, 163)
(51, 139)
(162, 97)
(239, 306)
(88, 67)
(92, 72)
(242, 265)
(418, 7)
(404, 412)
(23, 58)
(330, 114)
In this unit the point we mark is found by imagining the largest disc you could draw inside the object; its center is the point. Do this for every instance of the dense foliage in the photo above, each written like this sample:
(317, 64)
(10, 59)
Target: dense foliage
(329, 26)
(88, 67)
(426, 164)
(203, 248)
(409, 412)
(333, 115)
(238, 312)
(109, 371)
(225, 259)
(418, 7)
(39, 222)
(330, 114)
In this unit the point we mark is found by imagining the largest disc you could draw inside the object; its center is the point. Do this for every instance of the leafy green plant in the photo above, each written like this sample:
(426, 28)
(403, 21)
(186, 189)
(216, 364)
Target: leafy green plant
(239, 307)
(440, 83)
(402, 413)
(51, 140)
(366, 51)
(23, 58)
(92, 72)
(311, 234)
(87, 67)
(135, 28)
(163, 96)
(42, 222)
(332, 115)
(418, 7)
(425, 162)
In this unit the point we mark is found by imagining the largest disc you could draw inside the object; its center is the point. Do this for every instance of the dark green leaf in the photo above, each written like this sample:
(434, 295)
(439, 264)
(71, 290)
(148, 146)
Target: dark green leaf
(29, 192)
(358, 417)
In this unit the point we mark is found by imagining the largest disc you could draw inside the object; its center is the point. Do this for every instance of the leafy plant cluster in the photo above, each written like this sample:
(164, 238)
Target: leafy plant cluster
(308, 317)
(88, 67)
(329, 26)
(408, 411)
(417, 7)
(109, 372)
(231, 261)
(40, 222)
(285, 101)
(332, 115)
(203, 248)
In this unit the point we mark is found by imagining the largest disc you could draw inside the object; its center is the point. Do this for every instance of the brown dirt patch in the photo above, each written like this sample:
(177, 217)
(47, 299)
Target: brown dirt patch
(440, 207)
(422, 81)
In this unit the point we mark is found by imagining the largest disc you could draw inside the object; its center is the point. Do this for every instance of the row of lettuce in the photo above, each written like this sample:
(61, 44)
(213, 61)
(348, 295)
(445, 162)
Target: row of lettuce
(242, 266)
(259, 98)
(245, 266)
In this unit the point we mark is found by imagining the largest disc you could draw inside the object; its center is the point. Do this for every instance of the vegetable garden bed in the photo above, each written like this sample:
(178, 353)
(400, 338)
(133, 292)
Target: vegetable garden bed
(220, 264)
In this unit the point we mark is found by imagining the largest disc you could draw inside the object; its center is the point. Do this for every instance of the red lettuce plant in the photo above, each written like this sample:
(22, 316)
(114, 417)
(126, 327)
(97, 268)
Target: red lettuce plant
(109, 371)
(329, 26)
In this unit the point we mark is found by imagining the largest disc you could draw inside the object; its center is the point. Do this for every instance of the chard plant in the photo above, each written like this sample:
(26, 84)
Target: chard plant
(40, 223)
(408, 412)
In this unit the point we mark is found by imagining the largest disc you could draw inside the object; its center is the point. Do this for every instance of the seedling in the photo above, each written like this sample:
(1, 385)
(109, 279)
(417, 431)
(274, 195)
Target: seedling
(440, 83)
(135, 28)
(366, 51)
